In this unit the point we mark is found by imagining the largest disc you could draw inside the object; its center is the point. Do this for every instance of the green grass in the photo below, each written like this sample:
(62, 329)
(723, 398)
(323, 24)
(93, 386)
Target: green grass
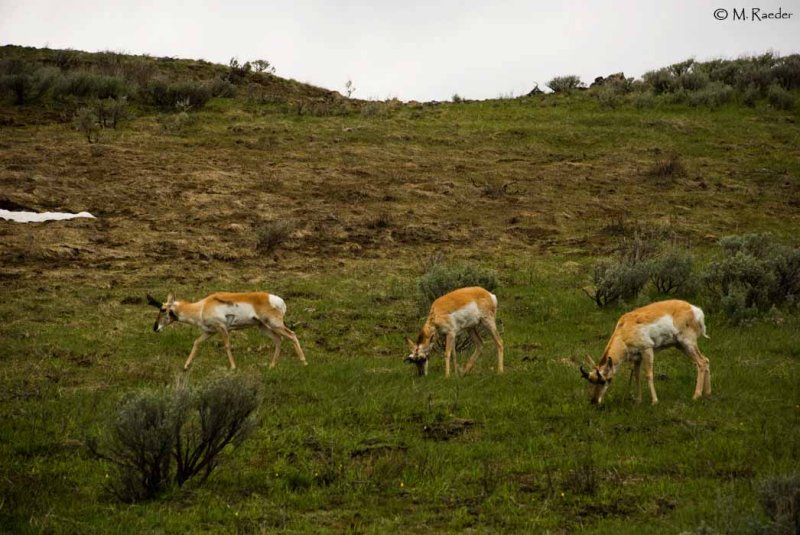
(354, 441)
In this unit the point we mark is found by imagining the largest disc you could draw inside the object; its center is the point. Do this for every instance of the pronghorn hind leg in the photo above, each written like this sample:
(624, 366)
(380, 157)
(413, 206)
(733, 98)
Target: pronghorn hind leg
(195, 346)
(288, 333)
(490, 324)
(478, 341)
(703, 384)
(647, 361)
(707, 378)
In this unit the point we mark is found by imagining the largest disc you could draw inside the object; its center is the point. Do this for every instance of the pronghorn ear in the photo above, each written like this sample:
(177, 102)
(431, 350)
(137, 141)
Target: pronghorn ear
(170, 298)
(152, 302)
(411, 344)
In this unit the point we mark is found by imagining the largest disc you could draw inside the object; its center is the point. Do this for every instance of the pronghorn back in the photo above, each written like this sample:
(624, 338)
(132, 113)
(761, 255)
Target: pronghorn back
(463, 297)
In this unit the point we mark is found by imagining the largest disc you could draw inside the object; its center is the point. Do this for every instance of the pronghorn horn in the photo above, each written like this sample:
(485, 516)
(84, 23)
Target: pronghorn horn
(584, 373)
(152, 302)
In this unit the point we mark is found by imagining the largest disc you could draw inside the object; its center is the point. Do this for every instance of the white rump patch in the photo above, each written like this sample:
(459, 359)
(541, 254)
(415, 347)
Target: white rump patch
(277, 303)
(699, 317)
(36, 217)
(494, 299)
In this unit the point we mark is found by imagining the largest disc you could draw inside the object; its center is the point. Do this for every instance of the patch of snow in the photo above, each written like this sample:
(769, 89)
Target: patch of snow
(35, 217)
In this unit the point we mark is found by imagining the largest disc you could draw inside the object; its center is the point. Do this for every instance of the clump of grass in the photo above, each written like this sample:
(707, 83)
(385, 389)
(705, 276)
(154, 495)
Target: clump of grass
(382, 221)
(86, 123)
(668, 167)
(607, 98)
(175, 123)
(271, 234)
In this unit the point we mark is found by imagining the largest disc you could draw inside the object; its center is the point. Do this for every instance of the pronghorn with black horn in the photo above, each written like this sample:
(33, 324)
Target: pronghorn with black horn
(223, 312)
(642, 332)
(462, 309)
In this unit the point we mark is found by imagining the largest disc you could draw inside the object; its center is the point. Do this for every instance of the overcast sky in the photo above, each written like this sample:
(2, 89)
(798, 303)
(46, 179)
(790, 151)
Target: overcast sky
(410, 49)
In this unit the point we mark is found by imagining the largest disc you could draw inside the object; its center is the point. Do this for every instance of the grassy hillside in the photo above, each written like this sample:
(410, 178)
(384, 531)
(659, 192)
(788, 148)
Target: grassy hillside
(535, 189)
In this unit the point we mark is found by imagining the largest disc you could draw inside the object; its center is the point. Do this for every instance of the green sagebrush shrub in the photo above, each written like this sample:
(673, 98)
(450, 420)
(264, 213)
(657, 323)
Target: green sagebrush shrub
(779, 98)
(614, 281)
(565, 84)
(443, 278)
(711, 96)
(672, 271)
(85, 84)
(24, 81)
(161, 438)
(780, 498)
(754, 274)
(169, 96)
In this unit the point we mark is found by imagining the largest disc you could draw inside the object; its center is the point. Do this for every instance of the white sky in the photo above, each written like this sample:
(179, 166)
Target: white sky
(411, 49)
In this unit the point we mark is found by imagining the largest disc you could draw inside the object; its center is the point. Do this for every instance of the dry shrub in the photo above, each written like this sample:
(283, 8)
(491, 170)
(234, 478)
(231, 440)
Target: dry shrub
(271, 234)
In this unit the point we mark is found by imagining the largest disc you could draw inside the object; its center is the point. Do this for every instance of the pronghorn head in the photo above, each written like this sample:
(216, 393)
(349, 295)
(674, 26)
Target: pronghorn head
(420, 351)
(600, 377)
(166, 312)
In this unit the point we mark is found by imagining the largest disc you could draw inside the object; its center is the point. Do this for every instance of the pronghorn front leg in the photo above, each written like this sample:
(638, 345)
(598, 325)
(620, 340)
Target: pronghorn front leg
(647, 359)
(449, 342)
(636, 376)
(227, 341)
(277, 341)
(202, 338)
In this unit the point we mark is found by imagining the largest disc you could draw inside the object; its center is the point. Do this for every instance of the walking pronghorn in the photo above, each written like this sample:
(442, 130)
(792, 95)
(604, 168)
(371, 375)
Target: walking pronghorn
(642, 332)
(462, 309)
(223, 312)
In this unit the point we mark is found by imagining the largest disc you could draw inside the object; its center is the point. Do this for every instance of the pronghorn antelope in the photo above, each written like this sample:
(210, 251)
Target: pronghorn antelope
(642, 332)
(462, 309)
(223, 312)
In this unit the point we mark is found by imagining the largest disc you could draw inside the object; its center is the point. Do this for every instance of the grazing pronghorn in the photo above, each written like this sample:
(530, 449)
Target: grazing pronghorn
(642, 332)
(462, 309)
(223, 312)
